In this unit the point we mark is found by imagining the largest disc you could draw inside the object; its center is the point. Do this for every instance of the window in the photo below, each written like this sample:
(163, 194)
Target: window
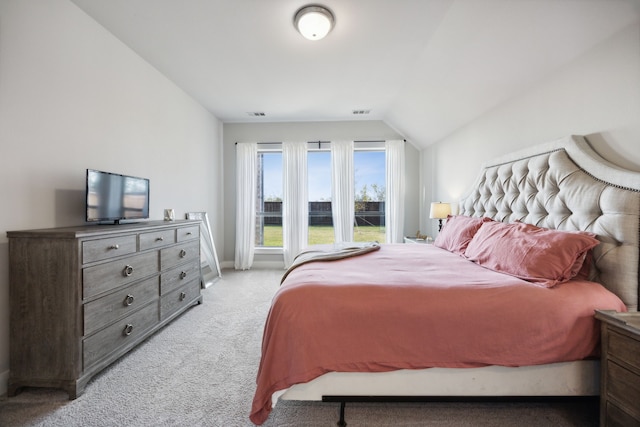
(319, 190)
(269, 199)
(369, 191)
(370, 195)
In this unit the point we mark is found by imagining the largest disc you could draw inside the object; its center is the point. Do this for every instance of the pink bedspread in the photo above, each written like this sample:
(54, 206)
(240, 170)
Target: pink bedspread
(418, 306)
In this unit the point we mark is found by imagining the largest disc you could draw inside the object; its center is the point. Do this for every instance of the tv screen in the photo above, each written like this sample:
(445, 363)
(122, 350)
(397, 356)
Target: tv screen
(115, 197)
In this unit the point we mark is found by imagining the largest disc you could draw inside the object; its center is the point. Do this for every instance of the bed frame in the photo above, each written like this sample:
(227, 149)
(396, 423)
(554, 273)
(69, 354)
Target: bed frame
(563, 184)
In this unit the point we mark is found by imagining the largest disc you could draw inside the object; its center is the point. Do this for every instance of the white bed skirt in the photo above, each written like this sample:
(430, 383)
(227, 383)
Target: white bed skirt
(579, 378)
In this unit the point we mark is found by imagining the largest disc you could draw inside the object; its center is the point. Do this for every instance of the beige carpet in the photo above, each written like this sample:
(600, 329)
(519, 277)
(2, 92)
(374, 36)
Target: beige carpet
(200, 371)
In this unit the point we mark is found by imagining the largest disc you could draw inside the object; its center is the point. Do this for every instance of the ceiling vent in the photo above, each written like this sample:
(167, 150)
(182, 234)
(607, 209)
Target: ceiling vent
(361, 112)
(256, 114)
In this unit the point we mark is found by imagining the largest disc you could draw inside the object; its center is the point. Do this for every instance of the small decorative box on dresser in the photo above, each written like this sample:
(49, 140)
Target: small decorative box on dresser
(620, 369)
(81, 297)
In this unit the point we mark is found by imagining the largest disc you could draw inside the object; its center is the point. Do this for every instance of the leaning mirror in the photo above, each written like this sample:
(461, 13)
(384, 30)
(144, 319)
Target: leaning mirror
(208, 257)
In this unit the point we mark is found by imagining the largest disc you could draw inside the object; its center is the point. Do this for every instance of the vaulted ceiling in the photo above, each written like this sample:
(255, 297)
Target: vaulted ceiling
(425, 67)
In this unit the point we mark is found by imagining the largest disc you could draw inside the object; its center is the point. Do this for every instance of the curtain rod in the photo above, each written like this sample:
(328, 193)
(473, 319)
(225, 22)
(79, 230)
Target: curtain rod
(323, 142)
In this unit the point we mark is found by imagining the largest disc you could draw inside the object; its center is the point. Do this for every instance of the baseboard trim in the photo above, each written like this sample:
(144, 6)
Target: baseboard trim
(226, 265)
(268, 264)
(4, 380)
(256, 264)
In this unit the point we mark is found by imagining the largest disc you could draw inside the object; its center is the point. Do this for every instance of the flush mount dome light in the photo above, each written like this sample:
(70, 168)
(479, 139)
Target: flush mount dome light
(313, 22)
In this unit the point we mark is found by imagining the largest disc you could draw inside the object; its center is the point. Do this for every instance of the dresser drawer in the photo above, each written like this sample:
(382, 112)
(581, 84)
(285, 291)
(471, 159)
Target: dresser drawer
(624, 387)
(157, 239)
(104, 277)
(178, 299)
(616, 417)
(624, 348)
(179, 276)
(97, 250)
(188, 233)
(122, 333)
(179, 254)
(109, 308)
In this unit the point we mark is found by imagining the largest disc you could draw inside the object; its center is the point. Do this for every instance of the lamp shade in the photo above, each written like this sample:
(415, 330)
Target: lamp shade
(313, 22)
(440, 210)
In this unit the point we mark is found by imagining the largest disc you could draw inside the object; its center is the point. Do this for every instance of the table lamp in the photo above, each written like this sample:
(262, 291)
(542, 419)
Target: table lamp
(439, 211)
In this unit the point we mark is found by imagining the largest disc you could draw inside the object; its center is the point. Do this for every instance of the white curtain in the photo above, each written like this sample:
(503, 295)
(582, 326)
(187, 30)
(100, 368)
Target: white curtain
(342, 190)
(246, 195)
(295, 205)
(394, 206)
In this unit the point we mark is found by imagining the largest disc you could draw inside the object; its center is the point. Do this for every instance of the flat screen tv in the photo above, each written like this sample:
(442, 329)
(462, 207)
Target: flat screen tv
(112, 197)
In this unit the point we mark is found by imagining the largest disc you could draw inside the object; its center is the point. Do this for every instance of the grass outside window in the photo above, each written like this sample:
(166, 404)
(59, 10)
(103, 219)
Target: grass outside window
(319, 234)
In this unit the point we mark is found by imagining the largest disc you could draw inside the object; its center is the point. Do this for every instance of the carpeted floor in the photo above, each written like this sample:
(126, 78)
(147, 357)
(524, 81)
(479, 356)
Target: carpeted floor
(200, 371)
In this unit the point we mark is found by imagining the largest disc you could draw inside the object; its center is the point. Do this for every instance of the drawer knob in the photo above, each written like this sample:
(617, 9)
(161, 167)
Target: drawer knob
(183, 253)
(128, 271)
(128, 300)
(116, 246)
(127, 330)
(159, 239)
(182, 296)
(189, 233)
(183, 274)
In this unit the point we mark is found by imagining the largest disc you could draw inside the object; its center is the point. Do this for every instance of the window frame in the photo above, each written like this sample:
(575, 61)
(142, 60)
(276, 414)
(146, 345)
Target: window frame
(271, 147)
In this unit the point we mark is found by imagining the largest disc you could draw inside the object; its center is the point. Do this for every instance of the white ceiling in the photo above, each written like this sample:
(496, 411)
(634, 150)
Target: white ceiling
(425, 67)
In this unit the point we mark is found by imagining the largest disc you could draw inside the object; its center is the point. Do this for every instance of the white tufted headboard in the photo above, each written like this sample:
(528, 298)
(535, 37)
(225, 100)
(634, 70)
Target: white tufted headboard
(565, 185)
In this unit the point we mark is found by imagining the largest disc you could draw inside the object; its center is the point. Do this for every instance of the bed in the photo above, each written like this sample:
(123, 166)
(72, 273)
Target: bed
(501, 305)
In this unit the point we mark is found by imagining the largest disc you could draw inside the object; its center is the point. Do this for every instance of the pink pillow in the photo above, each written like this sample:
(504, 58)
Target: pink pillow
(539, 255)
(457, 232)
(583, 266)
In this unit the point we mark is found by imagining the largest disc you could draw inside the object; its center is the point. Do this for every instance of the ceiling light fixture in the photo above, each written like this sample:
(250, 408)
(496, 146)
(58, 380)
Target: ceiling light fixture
(313, 21)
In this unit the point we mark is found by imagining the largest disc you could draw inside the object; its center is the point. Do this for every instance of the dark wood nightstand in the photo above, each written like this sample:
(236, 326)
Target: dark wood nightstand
(620, 368)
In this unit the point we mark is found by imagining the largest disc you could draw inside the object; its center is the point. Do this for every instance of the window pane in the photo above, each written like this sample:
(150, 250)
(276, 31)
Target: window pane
(319, 188)
(269, 200)
(370, 196)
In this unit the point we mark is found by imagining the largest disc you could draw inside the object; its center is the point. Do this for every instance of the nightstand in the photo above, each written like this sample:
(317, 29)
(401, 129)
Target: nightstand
(619, 368)
(428, 240)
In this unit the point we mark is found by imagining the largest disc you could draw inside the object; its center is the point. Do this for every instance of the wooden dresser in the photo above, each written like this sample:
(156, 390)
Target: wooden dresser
(81, 297)
(620, 369)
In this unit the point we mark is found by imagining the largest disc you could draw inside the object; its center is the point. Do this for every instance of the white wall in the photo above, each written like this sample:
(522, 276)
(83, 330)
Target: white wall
(73, 97)
(308, 131)
(597, 95)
